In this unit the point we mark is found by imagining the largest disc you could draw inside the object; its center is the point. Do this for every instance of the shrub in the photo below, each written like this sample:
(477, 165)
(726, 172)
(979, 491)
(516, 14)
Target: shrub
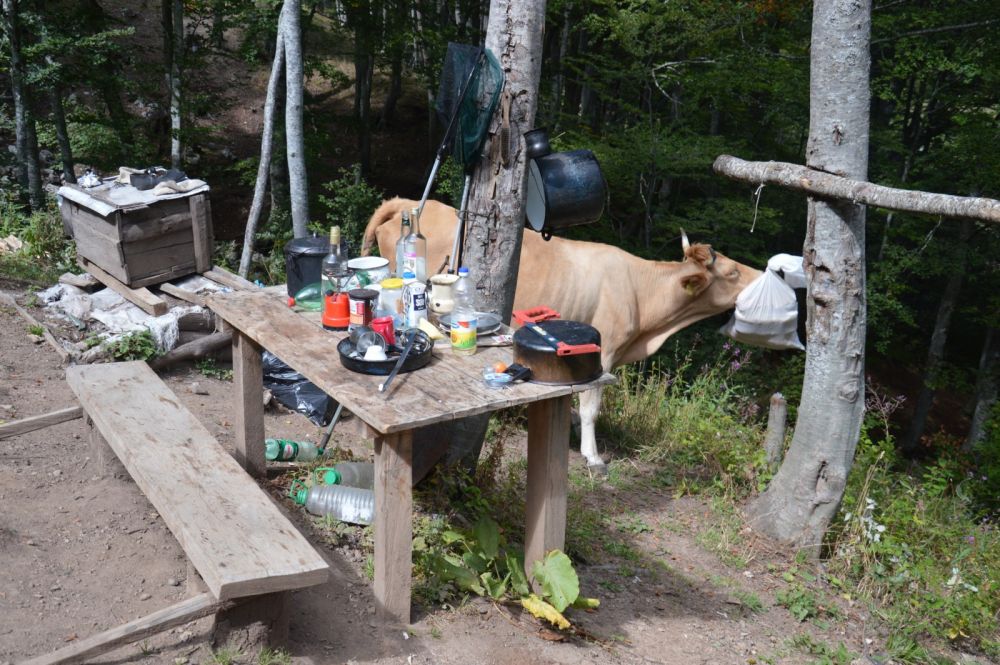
(350, 205)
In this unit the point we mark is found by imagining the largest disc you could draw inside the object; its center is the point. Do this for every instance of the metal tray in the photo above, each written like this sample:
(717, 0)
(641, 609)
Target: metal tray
(419, 356)
(487, 324)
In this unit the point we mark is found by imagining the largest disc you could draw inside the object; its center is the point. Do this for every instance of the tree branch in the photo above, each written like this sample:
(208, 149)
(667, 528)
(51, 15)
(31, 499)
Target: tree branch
(928, 31)
(828, 186)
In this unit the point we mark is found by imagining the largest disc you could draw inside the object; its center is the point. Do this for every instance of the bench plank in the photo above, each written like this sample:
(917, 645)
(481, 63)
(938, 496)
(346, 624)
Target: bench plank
(231, 531)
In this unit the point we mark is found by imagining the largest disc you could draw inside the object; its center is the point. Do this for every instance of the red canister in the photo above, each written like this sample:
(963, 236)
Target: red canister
(383, 326)
(362, 306)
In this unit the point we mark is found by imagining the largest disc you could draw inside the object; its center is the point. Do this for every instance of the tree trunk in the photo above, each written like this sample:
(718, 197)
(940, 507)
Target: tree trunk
(290, 27)
(364, 70)
(496, 202)
(395, 89)
(986, 389)
(120, 119)
(26, 140)
(806, 492)
(62, 135)
(177, 46)
(280, 200)
(267, 134)
(910, 443)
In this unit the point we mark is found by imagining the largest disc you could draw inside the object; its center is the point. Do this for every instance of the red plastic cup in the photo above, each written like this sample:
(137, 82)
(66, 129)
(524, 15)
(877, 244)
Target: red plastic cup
(383, 326)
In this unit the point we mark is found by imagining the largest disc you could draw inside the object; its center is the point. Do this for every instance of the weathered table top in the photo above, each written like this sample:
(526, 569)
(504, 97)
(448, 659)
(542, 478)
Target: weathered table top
(450, 387)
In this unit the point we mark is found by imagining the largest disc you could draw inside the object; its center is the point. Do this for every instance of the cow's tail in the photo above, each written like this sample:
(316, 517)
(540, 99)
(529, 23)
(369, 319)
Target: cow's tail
(383, 214)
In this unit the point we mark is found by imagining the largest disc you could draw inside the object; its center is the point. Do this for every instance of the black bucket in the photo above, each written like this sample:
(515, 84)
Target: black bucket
(564, 189)
(304, 262)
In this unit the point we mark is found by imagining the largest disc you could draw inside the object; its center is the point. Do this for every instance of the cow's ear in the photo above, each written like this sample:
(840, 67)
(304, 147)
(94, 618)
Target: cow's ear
(694, 284)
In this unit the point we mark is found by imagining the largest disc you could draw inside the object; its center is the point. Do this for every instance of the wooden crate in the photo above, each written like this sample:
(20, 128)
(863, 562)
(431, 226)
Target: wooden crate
(145, 245)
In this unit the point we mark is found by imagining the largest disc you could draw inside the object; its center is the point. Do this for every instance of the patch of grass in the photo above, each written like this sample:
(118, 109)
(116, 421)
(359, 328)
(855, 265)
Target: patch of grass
(31, 301)
(631, 523)
(274, 657)
(724, 535)
(36, 330)
(137, 345)
(826, 655)
(750, 600)
(224, 657)
(805, 603)
(209, 367)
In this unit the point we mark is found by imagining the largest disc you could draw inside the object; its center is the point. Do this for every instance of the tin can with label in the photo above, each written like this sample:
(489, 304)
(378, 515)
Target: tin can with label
(362, 306)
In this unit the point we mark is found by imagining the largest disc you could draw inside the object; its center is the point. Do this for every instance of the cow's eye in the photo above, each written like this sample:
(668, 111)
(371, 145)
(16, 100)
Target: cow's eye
(735, 273)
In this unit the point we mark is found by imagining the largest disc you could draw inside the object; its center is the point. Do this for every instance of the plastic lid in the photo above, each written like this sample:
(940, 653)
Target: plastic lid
(308, 246)
(463, 271)
(327, 475)
(392, 283)
(409, 275)
(298, 492)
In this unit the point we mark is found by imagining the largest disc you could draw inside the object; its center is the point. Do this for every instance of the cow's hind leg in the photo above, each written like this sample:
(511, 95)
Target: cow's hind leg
(590, 404)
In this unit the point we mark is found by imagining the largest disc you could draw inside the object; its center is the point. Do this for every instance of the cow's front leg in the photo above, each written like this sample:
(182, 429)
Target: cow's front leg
(590, 404)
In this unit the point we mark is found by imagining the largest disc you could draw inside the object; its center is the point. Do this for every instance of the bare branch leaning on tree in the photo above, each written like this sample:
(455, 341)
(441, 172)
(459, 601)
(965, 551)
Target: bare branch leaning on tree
(828, 186)
(265, 155)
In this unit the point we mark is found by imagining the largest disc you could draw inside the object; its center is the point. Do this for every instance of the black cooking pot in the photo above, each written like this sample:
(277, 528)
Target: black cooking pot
(304, 261)
(564, 189)
(534, 352)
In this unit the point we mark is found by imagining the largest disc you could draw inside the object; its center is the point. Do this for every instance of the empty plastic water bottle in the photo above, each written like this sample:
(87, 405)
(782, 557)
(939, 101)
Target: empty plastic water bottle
(285, 450)
(350, 474)
(347, 504)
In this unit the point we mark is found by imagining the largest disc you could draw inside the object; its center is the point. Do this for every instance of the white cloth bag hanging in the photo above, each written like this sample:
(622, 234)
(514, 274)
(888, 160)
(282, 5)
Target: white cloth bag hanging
(766, 310)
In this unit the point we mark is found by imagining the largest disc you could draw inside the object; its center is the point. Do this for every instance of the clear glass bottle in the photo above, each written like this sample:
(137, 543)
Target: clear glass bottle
(464, 319)
(416, 249)
(404, 231)
(347, 504)
(334, 267)
(414, 300)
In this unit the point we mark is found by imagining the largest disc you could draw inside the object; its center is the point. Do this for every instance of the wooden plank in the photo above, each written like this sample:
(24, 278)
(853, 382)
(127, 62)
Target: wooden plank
(226, 278)
(100, 251)
(46, 334)
(201, 218)
(393, 528)
(548, 467)
(176, 615)
(150, 229)
(234, 535)
(450, 387)
(183, 294)
(164, 275)
(167, 254)
(26, 425)
(84, 281)
(142, 297)
(248, 389)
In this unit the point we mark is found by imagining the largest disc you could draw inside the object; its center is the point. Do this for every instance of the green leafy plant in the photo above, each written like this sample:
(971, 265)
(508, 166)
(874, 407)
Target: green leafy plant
(209, 367)
(349, 202)
(36, 330)
(137, 345)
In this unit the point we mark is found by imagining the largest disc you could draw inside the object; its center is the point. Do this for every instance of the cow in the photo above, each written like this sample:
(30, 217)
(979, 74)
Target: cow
(636, 304)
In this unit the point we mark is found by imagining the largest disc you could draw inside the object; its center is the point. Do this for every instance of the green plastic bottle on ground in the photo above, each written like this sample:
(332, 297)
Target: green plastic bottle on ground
(285, 450)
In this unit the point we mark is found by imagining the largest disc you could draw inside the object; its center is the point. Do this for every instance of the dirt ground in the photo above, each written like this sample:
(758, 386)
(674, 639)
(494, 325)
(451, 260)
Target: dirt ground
(83, 553)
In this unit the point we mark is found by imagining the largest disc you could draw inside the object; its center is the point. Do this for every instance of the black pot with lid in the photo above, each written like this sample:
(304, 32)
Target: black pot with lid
(304, 261)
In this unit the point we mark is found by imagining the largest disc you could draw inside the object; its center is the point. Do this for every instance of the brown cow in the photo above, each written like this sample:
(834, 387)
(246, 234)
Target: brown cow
(635, 304)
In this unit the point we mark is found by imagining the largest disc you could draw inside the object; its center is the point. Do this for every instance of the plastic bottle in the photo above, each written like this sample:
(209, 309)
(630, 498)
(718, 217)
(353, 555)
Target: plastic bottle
(334, 266)
(463, 318)
(350, 474)
(309, 298)
(347, 504)
(415, 249)
(404, 231)
(285, 450)
(414, 300)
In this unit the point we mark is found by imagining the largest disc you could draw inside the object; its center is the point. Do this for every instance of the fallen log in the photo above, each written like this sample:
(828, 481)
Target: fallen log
(193, 350)
(829, 186)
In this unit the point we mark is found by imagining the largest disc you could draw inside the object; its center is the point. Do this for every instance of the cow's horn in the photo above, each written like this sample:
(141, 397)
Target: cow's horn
(685, 243)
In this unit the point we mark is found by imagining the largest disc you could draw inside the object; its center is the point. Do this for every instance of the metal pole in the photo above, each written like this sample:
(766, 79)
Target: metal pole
(457, 245)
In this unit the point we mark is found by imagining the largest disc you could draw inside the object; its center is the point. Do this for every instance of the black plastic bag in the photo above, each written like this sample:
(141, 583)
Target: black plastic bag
(295, 392)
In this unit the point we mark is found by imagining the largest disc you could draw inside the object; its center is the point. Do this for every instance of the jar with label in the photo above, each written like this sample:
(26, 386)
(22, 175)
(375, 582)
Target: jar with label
(414, 300)
(391, 299)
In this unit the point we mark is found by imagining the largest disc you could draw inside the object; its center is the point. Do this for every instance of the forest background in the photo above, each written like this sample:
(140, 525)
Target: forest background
(657, 90)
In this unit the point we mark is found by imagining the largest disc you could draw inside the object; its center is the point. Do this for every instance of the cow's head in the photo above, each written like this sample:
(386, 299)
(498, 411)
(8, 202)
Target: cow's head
(711, 279)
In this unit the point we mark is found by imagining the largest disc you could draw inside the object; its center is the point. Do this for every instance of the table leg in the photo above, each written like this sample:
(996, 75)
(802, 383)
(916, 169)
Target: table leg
(248, 384)
(548, 466)
(393, 525)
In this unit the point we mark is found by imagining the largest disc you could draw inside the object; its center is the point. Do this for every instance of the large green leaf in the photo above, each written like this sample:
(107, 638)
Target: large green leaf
(518, 580)
(560, 585)
(487, 534)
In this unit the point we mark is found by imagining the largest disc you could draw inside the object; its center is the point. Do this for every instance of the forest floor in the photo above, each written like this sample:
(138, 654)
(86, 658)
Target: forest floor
(84, 553)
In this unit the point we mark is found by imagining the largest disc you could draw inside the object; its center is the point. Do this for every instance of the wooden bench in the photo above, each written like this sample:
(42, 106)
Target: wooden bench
(234, 535)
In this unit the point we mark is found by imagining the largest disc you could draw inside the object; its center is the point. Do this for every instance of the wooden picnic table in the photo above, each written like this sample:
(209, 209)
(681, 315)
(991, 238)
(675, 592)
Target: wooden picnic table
(450, 387)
